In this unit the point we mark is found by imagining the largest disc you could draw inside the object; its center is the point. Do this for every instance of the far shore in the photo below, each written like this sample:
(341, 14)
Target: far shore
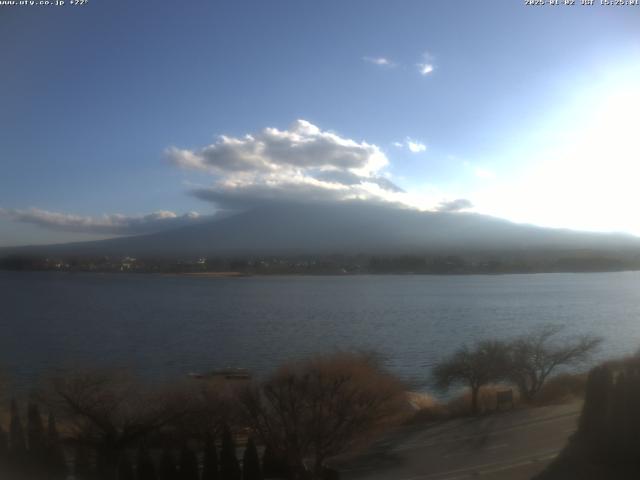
(208, 274)
(234, 274)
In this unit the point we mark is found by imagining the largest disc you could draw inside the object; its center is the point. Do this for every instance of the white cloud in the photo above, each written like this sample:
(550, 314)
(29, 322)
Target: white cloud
(107, 224)
(426, 66)
(302, 163)
(414, 146)
(303, 146)
(380, 61)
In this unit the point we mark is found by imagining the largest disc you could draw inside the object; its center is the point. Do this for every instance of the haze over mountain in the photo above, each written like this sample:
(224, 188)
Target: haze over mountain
(345, 228)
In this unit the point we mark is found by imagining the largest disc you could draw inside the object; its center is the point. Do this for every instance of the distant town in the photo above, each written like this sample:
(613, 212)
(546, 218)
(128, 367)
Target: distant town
(468, 263)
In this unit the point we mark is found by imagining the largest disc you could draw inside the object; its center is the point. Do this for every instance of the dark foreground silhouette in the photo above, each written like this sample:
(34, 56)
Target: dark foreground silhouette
(114, 427)
(607, 442)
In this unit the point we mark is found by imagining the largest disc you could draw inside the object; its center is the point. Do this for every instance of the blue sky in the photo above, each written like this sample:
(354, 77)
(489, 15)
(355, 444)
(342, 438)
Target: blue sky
(112, 111)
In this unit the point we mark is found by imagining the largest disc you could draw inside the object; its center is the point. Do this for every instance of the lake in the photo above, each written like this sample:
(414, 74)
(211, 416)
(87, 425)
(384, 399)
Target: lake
(166, 326)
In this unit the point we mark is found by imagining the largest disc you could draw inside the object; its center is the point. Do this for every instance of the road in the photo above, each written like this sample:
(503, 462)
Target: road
(511, 445)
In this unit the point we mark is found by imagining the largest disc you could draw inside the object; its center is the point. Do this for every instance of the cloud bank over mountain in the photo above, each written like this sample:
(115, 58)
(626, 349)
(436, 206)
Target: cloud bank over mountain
(114, 224)
(300, 164)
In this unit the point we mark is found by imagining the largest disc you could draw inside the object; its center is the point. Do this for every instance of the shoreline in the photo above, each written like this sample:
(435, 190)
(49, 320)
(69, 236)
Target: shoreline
(200, 274)
(233, 274)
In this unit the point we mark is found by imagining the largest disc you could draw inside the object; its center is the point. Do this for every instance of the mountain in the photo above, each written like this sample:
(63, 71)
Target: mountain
(343, 229)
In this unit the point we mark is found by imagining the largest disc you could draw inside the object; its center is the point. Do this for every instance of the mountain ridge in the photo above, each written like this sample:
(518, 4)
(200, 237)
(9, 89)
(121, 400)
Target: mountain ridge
(349, 228)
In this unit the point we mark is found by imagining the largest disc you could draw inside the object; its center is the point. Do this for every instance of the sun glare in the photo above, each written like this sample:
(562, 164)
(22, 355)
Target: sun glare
(588, 178)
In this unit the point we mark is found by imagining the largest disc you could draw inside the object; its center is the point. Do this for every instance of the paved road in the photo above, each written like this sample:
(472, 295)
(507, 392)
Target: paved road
(511, 445)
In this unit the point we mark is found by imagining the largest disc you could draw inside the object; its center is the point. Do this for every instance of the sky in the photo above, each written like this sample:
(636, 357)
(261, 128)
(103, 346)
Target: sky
(120, 117)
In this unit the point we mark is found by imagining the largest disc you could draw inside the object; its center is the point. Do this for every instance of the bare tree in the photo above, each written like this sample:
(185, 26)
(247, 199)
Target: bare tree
(212, 404)
(473, 367)
(311, 411)
(533, 357)
(109, 412)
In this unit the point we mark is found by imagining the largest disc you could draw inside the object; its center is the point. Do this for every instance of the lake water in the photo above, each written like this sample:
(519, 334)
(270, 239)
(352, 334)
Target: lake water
(167, 326)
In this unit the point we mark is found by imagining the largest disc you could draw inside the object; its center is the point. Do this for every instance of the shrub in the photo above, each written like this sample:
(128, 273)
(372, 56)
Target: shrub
(562, 388)
(336, 400)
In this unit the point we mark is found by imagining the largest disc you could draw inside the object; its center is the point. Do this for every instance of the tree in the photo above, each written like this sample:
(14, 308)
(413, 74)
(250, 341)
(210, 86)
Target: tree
(4, 453)
(251, 462)
(273, 465)
(110, 412)
(17, 444)
(620, 431)
(533, 357)
(610, 421)
(310, 411)
(210, 461)
(125, 468)
(56, 463)
(607, 442)
(188, 464)
(474, 368)
(82, 466)
(330, 474)
(212, 404)
(229, 466)
(146, 469)
(36, 439)
(168, 467)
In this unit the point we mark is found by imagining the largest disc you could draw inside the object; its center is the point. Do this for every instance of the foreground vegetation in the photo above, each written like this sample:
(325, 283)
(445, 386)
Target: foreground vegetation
(607, 443)
(106, 425)
(113, 427)
(526, 362)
